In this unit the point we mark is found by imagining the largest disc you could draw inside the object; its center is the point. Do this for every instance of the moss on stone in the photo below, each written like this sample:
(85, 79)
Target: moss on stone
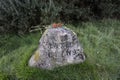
(36, 55)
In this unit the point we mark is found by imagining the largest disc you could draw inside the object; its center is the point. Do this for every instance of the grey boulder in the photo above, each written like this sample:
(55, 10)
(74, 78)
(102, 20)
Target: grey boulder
(57, 47)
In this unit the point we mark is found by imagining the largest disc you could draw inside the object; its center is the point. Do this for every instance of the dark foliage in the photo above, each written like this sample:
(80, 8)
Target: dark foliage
(17, 16)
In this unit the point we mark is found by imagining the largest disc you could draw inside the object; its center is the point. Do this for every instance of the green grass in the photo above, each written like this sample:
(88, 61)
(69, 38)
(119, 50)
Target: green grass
(101, 43)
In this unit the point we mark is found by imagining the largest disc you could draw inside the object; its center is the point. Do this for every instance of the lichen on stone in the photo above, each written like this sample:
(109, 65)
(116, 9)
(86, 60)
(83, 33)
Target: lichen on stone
(36, 56)
(45, 32)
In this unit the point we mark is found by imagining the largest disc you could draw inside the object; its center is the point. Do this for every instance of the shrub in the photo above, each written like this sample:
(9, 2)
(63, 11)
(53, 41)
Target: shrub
(17, 16)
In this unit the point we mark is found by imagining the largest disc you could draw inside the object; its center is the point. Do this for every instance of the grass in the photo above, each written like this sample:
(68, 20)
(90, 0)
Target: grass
(101, 43)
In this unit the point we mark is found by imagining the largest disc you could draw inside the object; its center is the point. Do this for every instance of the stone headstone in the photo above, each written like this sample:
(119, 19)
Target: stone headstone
(57, 47)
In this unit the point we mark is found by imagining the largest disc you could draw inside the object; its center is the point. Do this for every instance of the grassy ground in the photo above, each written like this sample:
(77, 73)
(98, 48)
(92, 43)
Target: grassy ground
(101, 43)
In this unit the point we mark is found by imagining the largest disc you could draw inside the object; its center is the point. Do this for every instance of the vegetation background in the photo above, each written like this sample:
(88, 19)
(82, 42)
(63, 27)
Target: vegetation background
(96, 23)
(18, 16)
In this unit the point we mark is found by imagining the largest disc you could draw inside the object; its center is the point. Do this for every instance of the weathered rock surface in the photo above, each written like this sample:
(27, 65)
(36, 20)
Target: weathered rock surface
(57, 47)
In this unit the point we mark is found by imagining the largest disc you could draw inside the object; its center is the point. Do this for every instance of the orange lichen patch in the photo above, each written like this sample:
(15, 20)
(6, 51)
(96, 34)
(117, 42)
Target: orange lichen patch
(56, 25)
(36, 55)
(59, 25)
